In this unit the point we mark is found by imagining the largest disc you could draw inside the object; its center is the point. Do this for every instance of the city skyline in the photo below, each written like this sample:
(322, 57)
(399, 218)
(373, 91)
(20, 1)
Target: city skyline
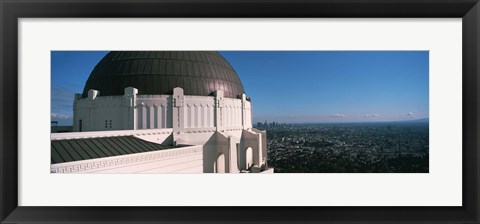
(294, 86)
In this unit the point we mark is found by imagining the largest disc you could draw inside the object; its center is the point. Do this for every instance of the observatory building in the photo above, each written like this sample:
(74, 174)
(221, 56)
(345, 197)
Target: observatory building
(161, 112)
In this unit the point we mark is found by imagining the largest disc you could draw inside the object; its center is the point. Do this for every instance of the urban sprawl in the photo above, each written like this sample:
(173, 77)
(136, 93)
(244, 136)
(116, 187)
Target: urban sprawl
(394, 147)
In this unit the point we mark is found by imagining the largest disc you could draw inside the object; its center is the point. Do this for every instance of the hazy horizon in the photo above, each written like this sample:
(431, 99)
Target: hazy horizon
(294, 86)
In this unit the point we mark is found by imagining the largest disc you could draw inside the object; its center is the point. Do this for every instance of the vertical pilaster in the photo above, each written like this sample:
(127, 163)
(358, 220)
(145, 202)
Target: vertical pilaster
(164, 116)
(146, 110)
(140, 109)
(232, 155)
(244, 111)
(152, 117)
(219, 103)
(178, 110)
(155, 117)
(258, 158)
(191, 116)
(130, 113)
(92, 122)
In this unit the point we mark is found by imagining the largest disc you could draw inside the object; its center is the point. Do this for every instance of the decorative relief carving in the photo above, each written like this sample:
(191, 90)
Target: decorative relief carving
(199, 131)
(198, 103)
(153, 133)
(125, 160)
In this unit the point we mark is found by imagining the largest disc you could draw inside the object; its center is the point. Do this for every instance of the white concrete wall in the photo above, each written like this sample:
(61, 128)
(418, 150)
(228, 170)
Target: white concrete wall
(262, 135)
(253, 140)
(94, 113)
(220, 126)
(232, 144)
(199, 112)
(232, 112)
(248, 114)
(154, 111)
(135, 112)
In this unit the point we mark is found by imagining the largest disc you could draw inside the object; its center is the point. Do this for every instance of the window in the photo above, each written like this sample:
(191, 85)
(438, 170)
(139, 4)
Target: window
(108, 124)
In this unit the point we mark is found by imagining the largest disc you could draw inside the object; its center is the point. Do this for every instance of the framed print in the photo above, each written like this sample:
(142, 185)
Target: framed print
(319, 111)
(109, 145)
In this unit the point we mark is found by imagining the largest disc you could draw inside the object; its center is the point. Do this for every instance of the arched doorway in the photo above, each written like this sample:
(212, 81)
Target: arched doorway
(249, 157)
(220, 164)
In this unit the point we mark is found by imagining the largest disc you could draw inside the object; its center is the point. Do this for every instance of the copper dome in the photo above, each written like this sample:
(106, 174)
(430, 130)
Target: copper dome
(158, 72)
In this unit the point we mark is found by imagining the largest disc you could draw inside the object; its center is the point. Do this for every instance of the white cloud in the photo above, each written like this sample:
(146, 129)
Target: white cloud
(59, 116)
(337, 115)
(410, 114)
(371, 115)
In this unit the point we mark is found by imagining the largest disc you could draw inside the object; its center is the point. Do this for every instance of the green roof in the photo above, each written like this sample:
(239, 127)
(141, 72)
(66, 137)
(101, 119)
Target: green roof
(92, 148)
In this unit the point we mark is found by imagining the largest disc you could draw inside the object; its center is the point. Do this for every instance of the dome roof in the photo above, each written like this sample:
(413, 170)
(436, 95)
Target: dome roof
(158, 72)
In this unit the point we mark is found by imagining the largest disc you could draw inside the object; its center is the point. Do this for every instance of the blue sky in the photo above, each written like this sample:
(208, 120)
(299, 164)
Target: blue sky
(294, 86)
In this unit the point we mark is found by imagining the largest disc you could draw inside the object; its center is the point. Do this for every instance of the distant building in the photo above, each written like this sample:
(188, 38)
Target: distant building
(61, 129)
(161, 112)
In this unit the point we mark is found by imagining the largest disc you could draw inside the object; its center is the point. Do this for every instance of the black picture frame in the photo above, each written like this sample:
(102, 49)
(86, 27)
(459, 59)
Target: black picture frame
(12, 10)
